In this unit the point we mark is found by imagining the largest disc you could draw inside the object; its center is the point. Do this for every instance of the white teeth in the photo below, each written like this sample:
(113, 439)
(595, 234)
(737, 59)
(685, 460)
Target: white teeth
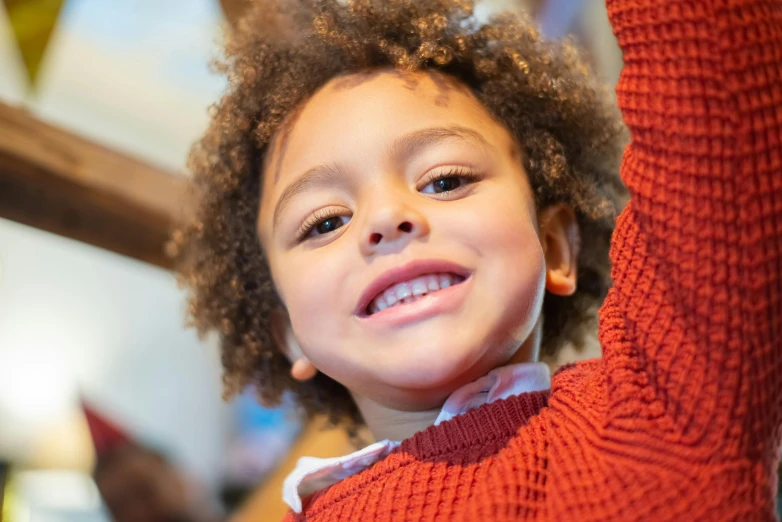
(445, 280)
(419, 286)
(390, 297)
(403, 290)
(411, 291)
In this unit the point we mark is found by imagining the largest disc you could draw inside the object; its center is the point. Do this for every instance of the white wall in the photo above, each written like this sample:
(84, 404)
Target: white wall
(75, 319)
(78, 320)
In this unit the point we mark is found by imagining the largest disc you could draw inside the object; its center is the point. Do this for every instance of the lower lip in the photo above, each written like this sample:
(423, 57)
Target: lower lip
(441, 301)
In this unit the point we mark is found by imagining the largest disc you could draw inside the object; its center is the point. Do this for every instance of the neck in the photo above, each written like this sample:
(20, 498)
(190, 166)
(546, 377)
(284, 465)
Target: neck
(392, 424)
(385, 422)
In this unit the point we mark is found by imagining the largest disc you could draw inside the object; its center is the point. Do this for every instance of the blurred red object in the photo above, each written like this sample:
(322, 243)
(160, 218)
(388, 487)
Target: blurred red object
(106, 435)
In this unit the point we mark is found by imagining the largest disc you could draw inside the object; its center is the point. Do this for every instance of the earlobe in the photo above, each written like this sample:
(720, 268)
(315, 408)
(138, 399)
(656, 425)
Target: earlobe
(303, 370)
(282, 333)
(561, 240)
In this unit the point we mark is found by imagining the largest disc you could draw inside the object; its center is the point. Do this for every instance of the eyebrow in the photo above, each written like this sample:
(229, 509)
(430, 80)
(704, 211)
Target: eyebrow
(413, 143)
(406, 146)
(314, 178)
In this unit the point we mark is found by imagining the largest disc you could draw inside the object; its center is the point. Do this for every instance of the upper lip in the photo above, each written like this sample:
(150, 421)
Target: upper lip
(406, 272)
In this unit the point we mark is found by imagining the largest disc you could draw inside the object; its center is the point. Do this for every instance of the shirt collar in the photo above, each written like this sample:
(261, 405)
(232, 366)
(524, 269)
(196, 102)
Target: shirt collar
(313, 474)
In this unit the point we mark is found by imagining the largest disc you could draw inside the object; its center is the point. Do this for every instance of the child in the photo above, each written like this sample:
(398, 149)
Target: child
(400, 208)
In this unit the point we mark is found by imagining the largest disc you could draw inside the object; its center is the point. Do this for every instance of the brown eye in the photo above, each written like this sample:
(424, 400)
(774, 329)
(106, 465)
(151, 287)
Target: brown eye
(446, 184)
(450, 181)
(329, 225)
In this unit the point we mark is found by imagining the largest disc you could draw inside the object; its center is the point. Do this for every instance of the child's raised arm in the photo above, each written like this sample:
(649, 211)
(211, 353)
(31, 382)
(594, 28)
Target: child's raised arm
(692, 330)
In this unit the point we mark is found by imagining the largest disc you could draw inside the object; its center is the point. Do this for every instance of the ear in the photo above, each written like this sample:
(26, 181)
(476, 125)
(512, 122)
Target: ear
(561, 241)
(282, 332)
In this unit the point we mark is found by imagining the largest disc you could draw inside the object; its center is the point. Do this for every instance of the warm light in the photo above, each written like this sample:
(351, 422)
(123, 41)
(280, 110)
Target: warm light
(34, 385)
(63, 444)
(36, 390)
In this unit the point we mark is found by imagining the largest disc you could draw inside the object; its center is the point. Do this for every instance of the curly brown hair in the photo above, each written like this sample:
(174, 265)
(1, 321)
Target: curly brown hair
(281, 52)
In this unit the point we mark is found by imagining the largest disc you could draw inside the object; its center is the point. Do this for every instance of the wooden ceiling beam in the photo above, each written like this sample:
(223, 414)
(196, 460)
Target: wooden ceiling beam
(58, 182)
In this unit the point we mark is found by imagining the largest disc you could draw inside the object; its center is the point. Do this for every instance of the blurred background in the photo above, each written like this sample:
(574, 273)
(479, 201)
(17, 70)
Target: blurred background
(100, 101)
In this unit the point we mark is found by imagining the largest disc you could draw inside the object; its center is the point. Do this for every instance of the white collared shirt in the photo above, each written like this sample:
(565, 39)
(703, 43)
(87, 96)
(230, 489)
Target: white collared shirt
(313, 474)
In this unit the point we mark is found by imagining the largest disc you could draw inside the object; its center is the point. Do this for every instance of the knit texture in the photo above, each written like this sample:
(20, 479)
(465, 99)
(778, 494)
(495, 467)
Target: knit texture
(682, 417)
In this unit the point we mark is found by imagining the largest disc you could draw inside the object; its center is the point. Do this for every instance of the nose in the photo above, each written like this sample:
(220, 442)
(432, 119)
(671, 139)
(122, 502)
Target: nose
(391, 226)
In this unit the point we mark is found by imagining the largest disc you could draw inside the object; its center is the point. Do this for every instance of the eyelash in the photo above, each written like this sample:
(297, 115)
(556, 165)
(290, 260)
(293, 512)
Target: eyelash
(315, 219)
(319, 216)
(464, 173)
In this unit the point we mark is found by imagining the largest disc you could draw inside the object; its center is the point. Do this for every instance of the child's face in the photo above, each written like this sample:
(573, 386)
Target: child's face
(382, 181)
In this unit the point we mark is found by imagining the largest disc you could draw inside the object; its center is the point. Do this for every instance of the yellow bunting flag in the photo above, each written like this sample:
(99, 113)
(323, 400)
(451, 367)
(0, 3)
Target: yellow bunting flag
(32, 23)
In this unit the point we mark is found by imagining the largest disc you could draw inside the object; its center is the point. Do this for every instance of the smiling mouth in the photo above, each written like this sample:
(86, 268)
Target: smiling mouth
(412, 290)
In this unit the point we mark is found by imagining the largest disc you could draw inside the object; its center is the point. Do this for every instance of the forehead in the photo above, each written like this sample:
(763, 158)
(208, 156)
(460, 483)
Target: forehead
(352, 117)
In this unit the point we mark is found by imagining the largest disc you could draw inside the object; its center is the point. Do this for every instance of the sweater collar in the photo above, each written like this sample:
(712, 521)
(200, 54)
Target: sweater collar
(313, 474)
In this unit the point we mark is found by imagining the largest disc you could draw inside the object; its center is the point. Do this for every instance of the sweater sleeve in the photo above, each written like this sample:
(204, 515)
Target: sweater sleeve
(692, 329)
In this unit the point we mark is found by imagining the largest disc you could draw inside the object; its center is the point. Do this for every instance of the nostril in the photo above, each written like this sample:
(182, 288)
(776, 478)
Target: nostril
(406, 227)
(375, 238)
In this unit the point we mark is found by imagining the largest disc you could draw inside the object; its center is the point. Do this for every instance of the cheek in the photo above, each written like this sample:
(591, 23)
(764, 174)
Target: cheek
(501, 226)
(507, 231)
(312, 283)
(513, 251)
(503, 234)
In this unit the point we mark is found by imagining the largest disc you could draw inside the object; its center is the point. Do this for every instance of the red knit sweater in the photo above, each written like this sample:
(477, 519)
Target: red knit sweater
(682, 417)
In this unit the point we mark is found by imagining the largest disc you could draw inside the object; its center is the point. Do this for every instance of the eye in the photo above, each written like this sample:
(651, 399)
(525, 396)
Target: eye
(443, 185)
(329, 225)
(443, 182)
(322, 222)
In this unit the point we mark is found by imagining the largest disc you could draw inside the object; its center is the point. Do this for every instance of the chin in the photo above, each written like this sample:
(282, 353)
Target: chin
(436, 366)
